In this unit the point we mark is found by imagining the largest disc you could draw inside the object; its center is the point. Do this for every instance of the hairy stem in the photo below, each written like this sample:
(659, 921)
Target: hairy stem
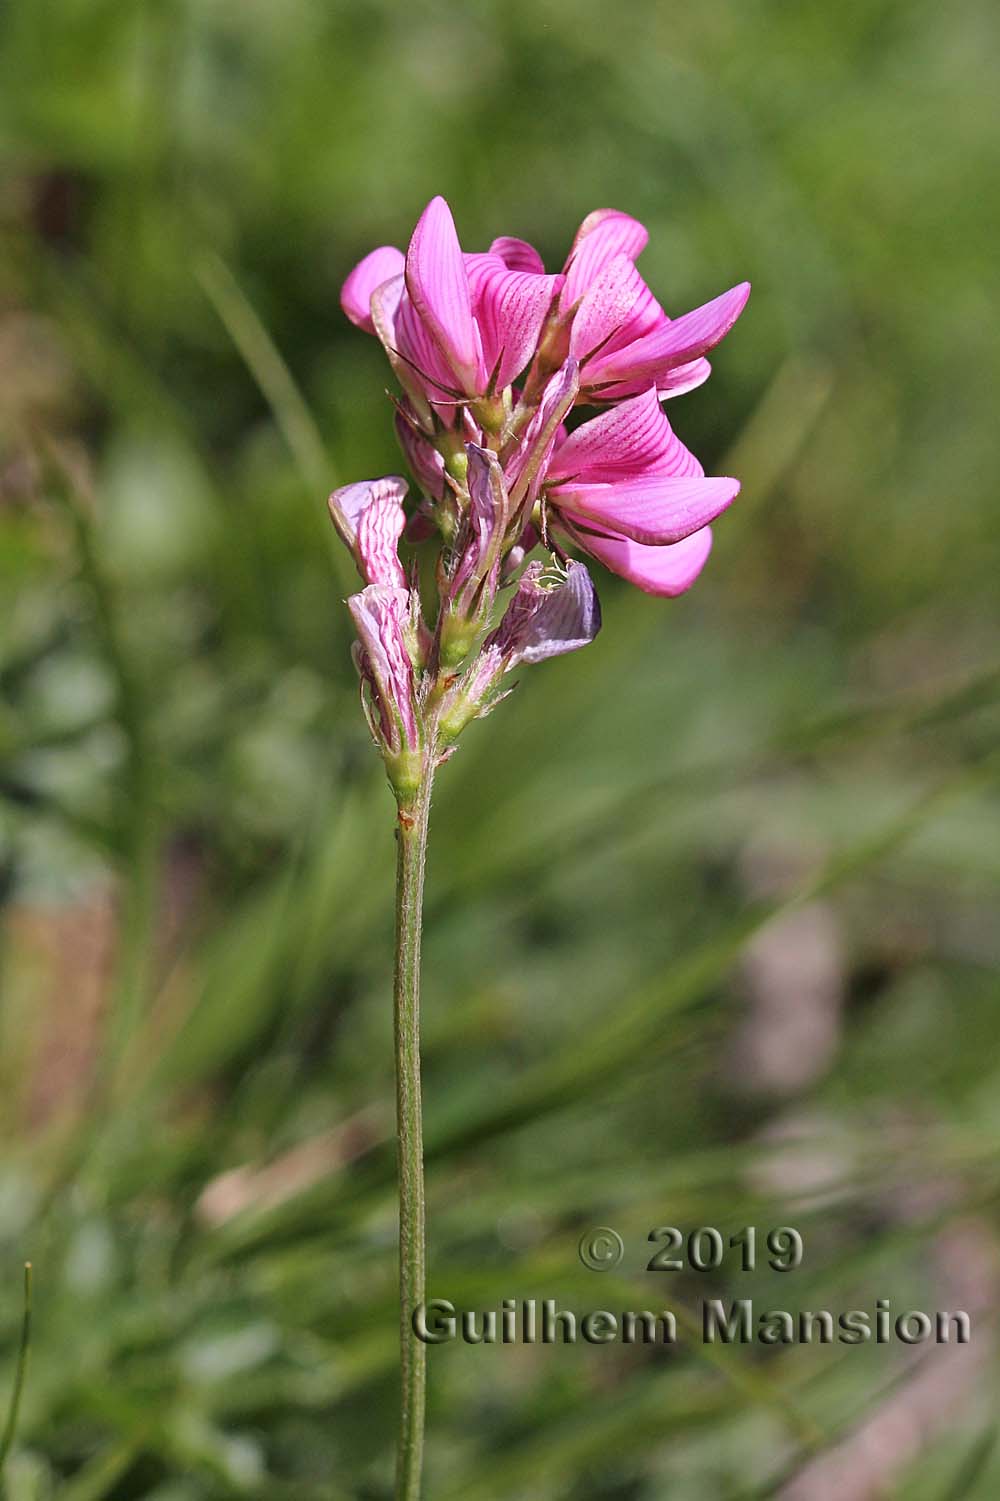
(410, 861)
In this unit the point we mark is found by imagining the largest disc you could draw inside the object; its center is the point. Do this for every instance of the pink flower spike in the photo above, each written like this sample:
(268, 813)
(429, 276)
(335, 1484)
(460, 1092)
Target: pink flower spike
(652, 355)
(650, 508)
(518, 255)
(510, 308)
(370, 518)
(380, 614)
(546, 618)
(378, 266)
(628, 439)
(663, 571)
(604, 234)
(439, 288)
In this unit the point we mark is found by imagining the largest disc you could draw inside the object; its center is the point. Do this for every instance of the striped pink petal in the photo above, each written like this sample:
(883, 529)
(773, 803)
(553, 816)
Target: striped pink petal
(439, 289)
(546, 618)
(630, 438)
(380, 615)
(671, 343)
(648, 509)
(664, 571)
(617, 308)
(370, 518)
(518, 255)
(510, 308)
(604, 234)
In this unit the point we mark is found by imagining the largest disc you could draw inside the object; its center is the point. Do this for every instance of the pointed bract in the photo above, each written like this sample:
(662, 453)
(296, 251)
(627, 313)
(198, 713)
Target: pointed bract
(528, 465)
(486, 521)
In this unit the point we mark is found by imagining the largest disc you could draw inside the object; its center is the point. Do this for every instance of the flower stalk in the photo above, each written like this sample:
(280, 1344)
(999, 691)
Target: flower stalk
(493, 355)
(411, 858)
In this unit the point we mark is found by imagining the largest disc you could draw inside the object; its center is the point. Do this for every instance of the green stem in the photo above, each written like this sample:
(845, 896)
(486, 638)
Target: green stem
(10, 1427)
(410, 860)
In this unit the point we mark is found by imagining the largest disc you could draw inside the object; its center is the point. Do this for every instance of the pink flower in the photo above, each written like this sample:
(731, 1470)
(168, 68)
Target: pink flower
(624, 488)
(456, 327)
(619, 334)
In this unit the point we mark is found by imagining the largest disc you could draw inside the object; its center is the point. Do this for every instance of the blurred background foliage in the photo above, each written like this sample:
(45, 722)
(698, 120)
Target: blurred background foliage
(712, 909)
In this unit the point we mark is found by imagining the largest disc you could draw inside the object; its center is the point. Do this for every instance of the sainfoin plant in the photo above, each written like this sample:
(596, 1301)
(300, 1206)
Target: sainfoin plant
(494, 357)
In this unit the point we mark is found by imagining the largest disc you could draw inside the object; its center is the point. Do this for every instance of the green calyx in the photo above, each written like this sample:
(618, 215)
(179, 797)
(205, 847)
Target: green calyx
(458, 637)
(405, 771)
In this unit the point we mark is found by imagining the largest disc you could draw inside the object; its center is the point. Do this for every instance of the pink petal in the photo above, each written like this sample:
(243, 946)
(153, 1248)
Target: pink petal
(683, 378)
(518, 255)
(632, 437)
(348, 504)
(386, 305)
(356, 294)
(370, 518)
(423, 356)
(665, 571)
(617, 307)
(510, 308)
(648, 509)
(673, 382)
(438, 286)
(380, 527)
(672, 343)
(603, 234)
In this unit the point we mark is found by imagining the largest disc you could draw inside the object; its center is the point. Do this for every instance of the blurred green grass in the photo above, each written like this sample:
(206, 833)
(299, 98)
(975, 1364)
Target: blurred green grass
(781, 786)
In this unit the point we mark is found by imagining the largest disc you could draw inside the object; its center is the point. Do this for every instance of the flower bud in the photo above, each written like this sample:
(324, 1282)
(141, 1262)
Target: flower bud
(470, 588)
(382, 616)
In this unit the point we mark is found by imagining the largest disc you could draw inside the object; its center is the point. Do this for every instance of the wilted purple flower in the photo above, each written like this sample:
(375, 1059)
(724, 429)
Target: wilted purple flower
(551, 613)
